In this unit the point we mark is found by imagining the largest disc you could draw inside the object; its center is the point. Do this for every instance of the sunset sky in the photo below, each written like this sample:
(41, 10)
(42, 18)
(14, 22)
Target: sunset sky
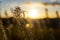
(30, 4)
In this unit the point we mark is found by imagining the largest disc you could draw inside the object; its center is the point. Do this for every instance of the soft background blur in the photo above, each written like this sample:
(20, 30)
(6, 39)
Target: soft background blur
(28, 4)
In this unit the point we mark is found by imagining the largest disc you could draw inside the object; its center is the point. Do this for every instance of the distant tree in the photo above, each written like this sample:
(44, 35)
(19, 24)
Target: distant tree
(57, 14)
(46, 10)
(6, 14)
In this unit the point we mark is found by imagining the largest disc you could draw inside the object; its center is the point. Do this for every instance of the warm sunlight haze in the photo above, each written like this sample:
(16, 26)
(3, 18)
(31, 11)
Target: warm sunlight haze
(33, 13)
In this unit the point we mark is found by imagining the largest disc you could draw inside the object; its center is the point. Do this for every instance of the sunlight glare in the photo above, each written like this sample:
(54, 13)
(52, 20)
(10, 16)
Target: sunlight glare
(33, 14)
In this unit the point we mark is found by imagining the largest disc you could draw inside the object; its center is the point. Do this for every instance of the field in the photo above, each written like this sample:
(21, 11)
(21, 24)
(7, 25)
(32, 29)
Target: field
(42, 29)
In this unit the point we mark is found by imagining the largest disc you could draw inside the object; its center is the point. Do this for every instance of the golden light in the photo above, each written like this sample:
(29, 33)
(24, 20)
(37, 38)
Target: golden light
(33, 13)
(27, 25)
(32, 8)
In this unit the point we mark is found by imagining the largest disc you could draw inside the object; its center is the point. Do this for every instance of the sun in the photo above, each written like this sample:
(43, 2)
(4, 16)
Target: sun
(33, 13)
